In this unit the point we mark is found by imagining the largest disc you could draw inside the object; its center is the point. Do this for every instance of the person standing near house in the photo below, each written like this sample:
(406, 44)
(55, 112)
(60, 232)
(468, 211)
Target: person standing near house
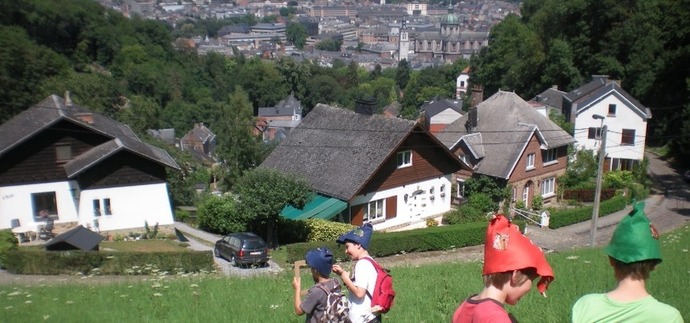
(363, 279)
(511, 263)
(633, 253)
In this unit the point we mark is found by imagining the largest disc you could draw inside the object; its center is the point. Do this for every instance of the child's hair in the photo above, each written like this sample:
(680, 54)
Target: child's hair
(638, 270)
(499, 279)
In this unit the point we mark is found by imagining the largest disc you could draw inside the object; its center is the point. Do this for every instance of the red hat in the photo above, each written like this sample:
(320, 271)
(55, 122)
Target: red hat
(506, 249)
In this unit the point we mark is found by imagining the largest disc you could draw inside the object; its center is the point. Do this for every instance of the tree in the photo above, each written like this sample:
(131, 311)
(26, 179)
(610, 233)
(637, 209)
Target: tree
(295, 75)
(488, 186)
(330, 45)
(263, 193)
(221, 215)
(296, 33)
(402, 75)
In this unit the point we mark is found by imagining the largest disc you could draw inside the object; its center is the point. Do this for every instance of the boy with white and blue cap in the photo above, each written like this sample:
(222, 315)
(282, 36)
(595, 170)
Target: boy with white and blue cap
(320, 261)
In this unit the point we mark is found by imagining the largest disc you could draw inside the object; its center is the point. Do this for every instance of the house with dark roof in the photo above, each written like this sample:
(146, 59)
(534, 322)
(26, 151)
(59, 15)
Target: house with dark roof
(603, 102)
(65, 162)
(504, 138)
(390, 172)
(277, 121)
(439, 113)
(200, 142)
(549, 100)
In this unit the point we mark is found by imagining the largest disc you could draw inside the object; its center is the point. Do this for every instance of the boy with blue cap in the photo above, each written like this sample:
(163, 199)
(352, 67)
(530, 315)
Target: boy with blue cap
(363, 280)
(633, 253)
(320, 261)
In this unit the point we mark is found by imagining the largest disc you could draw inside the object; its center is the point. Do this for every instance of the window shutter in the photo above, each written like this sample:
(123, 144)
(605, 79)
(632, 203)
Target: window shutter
(357, 212)
(391, 207)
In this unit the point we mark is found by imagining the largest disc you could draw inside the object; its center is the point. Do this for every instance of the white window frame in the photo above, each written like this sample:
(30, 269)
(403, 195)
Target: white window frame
(530, 161)
(404, 159)
(460, 189)
(548, 187)
(525, 194)
(551, 156)
(376, 208)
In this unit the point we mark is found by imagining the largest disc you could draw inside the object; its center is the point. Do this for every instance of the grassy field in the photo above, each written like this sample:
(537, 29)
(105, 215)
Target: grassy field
(427, 293)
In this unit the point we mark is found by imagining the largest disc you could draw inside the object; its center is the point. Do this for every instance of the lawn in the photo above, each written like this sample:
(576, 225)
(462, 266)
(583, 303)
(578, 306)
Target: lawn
(157, 245)
(427, 293)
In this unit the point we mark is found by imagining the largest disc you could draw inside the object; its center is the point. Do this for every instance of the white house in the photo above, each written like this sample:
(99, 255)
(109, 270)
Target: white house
(66, 163)
(462, 82)
(603, 102)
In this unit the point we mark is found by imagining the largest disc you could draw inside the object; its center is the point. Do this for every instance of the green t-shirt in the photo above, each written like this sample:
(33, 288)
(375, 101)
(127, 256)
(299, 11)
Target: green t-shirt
(600, 308)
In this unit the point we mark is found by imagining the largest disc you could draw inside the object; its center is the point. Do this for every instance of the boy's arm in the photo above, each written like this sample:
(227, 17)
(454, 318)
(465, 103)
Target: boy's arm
(296, 285)
(359, 292)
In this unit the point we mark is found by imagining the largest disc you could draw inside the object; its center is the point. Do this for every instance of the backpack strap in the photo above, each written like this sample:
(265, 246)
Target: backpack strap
(377, 268)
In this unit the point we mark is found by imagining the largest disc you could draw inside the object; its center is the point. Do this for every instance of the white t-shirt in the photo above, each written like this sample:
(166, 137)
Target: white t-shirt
(364, 275)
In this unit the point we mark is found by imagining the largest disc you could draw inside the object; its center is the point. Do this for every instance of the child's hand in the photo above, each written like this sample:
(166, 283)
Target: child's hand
(340, 271)
(297, 283)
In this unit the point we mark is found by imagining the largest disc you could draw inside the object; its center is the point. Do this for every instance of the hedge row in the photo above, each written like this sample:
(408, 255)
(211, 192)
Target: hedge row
(568, 217)
(392, 243)
(40, 262)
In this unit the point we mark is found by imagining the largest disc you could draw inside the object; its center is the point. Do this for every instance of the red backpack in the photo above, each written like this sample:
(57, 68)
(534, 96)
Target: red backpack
(383, 290)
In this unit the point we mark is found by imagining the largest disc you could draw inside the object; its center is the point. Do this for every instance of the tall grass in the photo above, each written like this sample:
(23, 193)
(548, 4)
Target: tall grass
(428, 293)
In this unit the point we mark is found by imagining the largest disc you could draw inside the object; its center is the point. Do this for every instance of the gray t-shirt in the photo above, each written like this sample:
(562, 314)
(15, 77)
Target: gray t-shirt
(314, 304)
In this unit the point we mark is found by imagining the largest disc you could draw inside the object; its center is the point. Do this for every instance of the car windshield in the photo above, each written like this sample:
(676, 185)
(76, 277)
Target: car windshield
(254, 244)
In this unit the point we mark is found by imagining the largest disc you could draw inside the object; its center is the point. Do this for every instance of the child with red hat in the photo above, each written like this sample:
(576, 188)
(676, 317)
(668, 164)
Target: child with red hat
(633, 253)
(511, 263)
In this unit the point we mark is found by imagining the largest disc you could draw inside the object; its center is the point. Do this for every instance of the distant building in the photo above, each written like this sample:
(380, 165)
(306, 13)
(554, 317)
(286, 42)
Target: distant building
(450, 43)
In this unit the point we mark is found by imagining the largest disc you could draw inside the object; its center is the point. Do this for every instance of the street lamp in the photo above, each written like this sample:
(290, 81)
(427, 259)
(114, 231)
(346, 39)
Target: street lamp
(600, 170)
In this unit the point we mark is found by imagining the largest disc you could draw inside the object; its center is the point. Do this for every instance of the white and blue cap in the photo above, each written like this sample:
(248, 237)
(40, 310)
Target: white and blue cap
(320, 259)
(360, 235)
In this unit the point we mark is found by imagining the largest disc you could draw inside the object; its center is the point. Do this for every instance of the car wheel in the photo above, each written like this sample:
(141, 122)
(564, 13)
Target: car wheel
(216, 253)
(233, 261)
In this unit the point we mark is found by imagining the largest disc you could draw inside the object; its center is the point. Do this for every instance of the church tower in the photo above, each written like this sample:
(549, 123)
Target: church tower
(403, 42)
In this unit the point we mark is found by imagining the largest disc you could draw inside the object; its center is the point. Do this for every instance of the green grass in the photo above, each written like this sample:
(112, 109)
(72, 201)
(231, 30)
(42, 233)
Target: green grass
(149, 245)
(427, 293)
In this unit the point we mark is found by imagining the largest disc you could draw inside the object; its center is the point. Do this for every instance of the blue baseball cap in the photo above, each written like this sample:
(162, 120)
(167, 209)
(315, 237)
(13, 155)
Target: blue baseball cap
(320, 259)
(361, 235)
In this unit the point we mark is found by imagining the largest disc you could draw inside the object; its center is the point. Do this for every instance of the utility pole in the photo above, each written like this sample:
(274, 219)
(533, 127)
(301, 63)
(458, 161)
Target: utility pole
(597, 193)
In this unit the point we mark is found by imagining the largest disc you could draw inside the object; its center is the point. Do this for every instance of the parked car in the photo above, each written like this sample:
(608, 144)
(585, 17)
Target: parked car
(242, 248)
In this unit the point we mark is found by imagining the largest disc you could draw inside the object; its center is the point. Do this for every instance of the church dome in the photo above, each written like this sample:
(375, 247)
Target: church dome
(450, 19)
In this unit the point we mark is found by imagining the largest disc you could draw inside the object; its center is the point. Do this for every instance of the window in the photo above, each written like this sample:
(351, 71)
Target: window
(548, 187)
(628, 137)
(106, 207)
(530, 161)
(622, 164)
(594, 133)
(463, 157)
(525, 195)
(550, 156)
(45, 206)
(374, 210)
(514, 194)
(63, 153)
(612, 110)
(97, 208)
(404, 158)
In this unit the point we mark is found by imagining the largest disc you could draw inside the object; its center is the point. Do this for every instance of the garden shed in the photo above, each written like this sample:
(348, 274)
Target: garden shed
(79, 238)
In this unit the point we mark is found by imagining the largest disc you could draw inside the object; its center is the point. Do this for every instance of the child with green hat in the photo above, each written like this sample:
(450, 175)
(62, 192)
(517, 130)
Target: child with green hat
(634, 253)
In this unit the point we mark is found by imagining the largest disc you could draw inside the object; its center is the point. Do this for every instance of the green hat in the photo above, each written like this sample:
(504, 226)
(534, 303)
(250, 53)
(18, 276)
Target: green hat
(635, 239)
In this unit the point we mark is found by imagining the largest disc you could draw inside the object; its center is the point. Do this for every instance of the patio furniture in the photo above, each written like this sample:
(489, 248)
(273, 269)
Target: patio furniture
(46, 232)
(24, 233)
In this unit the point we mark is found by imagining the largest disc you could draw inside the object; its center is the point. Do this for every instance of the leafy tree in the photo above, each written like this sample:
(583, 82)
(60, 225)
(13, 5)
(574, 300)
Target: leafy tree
(263, 83)
(221, 215)
(295, 75)
(402, 74)
(263, 193)
(296, 33)
(322, 89)
(140, 113)
(330, 45)
(488, 186)
(581, 171)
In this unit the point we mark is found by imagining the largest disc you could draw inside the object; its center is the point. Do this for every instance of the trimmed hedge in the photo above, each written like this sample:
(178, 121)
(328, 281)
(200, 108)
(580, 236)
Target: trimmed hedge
(391, 243)
(568, 217)
(41, 262)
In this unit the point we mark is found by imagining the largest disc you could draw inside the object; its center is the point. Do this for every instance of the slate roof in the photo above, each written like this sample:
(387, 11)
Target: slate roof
(53, 110)
(437, 106)
(506, 122)
(338, 150)
(551, 97)
(78, 238)
(286, 107)
(590, 93)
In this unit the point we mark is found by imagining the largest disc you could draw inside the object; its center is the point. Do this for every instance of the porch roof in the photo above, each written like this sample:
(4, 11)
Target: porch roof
(320, 207)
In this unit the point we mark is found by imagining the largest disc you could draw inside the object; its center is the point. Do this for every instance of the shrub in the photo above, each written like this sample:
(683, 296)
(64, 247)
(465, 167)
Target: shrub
(41, 262)
(391, 243)
(323, 230)
(181, 215)
(464, 214)
(567, 217)
(7, 242)
(221, 215)
(537, 202)
(431, 222)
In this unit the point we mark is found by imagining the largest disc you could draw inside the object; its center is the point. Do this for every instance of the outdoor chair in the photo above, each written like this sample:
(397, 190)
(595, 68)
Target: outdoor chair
(21, 236)
(46, 232)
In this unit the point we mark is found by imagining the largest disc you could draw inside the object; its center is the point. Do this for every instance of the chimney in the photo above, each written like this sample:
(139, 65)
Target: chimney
(68, 101)
(477, 95)
(471, 123)
(365, 106)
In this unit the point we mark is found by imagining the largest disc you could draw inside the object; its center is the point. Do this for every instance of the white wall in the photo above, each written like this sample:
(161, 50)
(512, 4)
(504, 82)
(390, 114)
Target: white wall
(416, 208)
(16, 203)
(130, 207)
(625, 118)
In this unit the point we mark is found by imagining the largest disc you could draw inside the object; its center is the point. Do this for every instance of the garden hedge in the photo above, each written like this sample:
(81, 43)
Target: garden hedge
(41, 262)
(391, 243)
(567, 217)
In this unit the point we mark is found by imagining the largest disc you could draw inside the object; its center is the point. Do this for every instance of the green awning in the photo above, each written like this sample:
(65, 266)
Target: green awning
(320, 207)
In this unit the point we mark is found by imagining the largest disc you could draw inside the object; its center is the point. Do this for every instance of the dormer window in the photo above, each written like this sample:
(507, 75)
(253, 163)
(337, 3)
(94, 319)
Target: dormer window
(404, 158)
(612, 110)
